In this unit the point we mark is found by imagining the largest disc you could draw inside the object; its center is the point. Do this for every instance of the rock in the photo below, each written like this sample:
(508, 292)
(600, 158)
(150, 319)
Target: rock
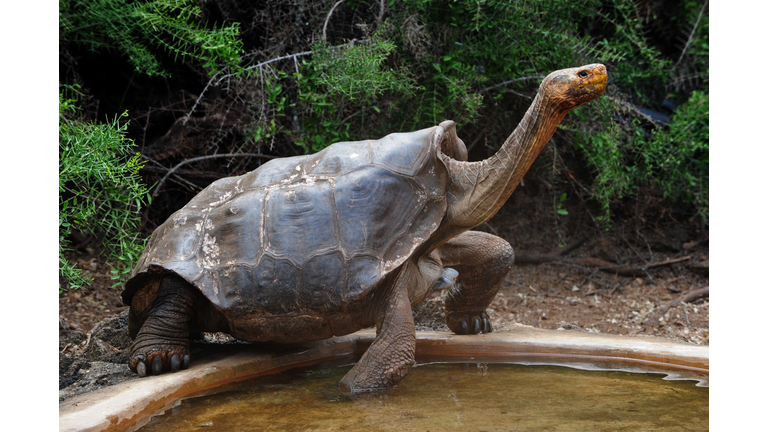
(95, 375)
(563, 325)
(114, 331)
(220, 338)
(70, 339)
(100, 363)
(69, 336)
(69, 365)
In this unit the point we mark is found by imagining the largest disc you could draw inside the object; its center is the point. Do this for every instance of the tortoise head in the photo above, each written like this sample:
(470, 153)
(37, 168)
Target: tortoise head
(479, 189)
(570, 88)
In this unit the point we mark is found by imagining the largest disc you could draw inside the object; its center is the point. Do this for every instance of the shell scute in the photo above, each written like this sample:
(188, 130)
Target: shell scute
(300, 221)
(367, 201)
(226, 224)
(272, 173)
(275, 289)
(231, 281)
(341, 158)
(323, 282)
(403, 153)
(363, 272)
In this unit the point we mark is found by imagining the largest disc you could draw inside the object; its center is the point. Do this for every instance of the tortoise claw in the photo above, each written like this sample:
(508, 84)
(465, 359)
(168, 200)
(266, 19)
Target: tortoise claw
(175, 363)
(463, 328)
(157, 365)
(141, 369)
(487, 328)
(185, 362)
(476, 329)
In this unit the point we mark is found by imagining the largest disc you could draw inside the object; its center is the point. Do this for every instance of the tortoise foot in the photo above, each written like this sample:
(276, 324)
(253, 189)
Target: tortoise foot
(158, 360)
(469, 323)
(162, 342)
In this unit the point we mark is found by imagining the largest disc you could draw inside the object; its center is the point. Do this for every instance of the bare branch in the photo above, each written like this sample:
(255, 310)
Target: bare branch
(182, 163)
(598, 263)
(325, 25)
(687, 297)
(184, 122)
(233, 74)
(381, 14)
(176, 177)
(690, 37)
(553, 256)
(514, 80)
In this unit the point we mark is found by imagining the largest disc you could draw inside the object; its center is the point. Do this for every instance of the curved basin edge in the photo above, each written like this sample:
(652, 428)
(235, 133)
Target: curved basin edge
(128, 406)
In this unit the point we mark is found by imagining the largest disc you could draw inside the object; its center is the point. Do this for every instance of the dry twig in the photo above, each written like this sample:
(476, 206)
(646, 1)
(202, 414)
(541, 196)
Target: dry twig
(514, 80)
(184, 162)
(690, 37)
(325, 25)
(688, 297)
(591, 262)
(554, 256)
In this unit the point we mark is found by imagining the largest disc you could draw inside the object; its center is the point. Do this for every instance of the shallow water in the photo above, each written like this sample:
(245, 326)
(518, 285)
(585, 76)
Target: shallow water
(446, 397)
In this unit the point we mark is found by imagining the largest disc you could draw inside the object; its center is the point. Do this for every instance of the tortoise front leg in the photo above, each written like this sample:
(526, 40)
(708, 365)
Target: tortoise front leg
(483, 261)
(162, 342)
(393, 352)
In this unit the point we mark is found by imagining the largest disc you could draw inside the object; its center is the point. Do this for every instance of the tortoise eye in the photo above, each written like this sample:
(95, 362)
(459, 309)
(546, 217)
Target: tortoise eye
(583, 74)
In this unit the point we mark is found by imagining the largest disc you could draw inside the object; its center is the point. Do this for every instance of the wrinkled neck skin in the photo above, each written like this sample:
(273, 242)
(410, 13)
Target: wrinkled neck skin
(479, 189)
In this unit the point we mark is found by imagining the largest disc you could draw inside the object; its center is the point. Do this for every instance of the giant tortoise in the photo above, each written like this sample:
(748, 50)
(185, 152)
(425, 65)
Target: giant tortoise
(309, 247)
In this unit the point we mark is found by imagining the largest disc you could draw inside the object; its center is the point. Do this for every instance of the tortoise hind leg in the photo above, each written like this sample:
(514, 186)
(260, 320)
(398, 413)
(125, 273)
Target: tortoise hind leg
(483, 261)
(393, 352)
(162, 343)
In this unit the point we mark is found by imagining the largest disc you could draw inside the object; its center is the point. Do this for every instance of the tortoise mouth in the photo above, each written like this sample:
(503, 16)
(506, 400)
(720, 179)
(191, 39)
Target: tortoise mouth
(596, 83)
(599, 87)
(591, 89)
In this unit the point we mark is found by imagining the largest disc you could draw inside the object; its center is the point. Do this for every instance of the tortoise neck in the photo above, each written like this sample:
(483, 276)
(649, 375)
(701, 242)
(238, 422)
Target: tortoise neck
(484, 186)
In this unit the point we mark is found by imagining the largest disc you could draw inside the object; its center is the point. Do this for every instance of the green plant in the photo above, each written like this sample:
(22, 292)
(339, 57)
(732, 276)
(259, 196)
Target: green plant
(337, 80)
(627, 149)
(559, 207)
(673, 158)
(100, 190)
(677, 156)
(359, 72)
(605, 148)
(137, 28)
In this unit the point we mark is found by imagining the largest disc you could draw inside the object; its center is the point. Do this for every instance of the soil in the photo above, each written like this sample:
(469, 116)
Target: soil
(93, 339)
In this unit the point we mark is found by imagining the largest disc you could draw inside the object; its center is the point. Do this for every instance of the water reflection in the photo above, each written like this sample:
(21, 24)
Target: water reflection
(437, 397)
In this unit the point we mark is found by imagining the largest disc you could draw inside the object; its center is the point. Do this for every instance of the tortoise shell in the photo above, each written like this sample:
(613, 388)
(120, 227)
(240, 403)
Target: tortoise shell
(305, 235)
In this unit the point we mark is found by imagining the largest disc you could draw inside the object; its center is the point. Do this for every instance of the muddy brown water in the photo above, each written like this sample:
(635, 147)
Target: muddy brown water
(447, 397)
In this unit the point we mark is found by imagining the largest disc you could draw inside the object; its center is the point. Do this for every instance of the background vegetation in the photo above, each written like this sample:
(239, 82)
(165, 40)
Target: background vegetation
(162, 82)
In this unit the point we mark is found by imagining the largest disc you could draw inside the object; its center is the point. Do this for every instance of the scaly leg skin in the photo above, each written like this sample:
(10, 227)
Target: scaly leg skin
(393, 352)
(162, 343)
(483, 261)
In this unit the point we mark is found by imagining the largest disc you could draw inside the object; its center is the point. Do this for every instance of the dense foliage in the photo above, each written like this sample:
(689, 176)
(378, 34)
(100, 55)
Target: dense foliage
(100, 189)
(286, 78)
(140, 29)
